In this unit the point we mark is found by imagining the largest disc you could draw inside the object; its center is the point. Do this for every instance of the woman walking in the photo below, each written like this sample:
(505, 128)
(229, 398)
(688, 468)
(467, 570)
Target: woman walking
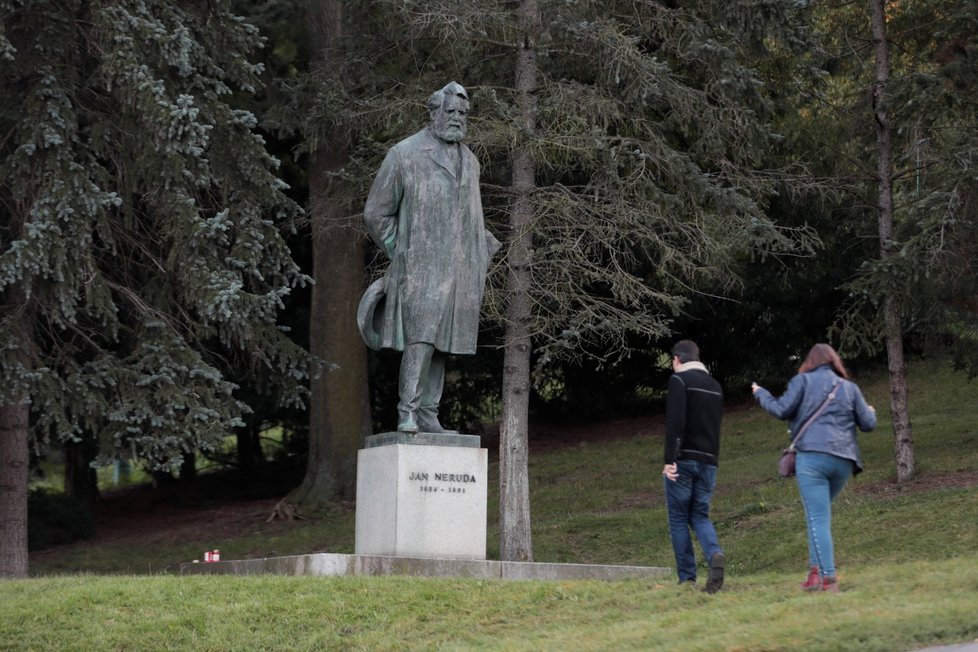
(827, 451)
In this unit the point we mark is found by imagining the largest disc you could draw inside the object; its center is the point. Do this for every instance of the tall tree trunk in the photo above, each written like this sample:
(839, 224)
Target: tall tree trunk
(188, 470)
(514, 482)
(13, 490)
(339, 408)
(15, 453)
(81, 480)
(892, 308)
(248, 439)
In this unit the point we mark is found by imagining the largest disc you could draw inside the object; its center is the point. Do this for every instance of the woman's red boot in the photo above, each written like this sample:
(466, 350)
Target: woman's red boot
(830, 584)
(814, 582)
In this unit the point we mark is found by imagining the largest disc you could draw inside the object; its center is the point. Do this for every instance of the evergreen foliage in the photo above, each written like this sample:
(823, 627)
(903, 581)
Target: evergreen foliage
(143, 225)
(648, 145)
(931, 105)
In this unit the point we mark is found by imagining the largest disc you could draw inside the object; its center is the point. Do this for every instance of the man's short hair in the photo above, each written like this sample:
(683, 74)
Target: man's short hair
(452, 89)
(686, 351)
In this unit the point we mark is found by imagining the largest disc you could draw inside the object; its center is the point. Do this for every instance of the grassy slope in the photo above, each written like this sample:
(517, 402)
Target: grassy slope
(906, 558)
(885, 608)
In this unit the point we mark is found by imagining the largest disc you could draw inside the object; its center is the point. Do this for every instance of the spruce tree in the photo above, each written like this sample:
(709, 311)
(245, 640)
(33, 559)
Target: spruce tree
(921, 285)
(142, 245)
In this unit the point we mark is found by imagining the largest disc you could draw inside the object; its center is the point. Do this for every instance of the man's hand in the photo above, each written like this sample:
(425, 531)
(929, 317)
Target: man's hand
(670, 472)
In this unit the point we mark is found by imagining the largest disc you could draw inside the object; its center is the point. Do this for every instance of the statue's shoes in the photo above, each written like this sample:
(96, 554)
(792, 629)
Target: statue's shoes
(435, 428)
(408, 426)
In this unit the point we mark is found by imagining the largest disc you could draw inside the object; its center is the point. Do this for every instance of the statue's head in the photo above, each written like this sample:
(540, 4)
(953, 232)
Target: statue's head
(448, 108)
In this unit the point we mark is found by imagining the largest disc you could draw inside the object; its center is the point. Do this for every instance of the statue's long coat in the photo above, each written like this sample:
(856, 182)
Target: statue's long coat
(426, 214)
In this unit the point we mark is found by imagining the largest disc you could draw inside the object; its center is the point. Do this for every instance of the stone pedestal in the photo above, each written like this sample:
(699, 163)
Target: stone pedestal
(422, 495)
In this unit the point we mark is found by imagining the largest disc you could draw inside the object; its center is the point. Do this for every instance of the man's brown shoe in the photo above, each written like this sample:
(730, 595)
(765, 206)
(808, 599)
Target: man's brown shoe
(714, 581)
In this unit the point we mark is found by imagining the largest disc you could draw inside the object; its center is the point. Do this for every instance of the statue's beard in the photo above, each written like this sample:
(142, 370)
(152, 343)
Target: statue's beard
(449, 133)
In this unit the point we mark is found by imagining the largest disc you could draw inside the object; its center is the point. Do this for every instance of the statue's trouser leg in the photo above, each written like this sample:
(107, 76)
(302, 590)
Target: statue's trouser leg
(415, 364)
(431, 394)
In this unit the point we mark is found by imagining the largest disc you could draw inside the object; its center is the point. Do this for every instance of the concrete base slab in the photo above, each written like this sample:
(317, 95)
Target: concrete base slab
(332, 565)
(423, 439)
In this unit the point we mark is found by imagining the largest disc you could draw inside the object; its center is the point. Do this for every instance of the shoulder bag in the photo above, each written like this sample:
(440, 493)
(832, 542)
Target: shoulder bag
(786, 463)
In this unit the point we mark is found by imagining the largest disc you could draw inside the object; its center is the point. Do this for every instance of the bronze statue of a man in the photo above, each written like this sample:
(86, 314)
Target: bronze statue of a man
(425, 212)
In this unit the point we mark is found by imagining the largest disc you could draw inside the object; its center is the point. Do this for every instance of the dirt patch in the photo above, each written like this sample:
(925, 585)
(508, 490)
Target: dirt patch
(552, 436)
(923, 482)
(125, 519)
(220, 506)
(636, 499)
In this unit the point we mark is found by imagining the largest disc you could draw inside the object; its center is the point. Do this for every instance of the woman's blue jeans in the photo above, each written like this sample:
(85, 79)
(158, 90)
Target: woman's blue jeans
(688, 502)
(820, 479)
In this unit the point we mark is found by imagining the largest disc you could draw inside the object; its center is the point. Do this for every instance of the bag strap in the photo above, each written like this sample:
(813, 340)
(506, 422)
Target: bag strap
(804, 427)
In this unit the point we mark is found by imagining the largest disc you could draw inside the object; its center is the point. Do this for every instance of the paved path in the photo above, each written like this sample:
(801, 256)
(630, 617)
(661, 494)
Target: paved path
(328, 564)
(960, 647)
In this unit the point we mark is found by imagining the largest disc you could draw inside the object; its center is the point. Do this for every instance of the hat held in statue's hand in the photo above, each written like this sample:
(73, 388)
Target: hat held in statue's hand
(370, 313)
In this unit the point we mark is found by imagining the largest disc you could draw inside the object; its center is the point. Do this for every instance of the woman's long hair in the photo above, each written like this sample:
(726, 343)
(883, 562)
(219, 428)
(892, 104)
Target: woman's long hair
(823, 354)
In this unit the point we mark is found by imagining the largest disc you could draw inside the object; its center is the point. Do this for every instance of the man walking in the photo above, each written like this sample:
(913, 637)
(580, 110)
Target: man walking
(694, 407)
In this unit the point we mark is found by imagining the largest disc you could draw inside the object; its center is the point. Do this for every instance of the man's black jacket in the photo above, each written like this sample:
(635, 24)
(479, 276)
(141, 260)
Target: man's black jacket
(694, 407)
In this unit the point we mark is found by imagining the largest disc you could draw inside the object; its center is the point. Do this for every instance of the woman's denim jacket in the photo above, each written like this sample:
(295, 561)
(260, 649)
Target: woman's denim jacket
(834, 430)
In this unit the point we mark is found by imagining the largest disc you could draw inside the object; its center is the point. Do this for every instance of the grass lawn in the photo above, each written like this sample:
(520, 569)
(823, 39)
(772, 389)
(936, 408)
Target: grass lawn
(906, 556)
